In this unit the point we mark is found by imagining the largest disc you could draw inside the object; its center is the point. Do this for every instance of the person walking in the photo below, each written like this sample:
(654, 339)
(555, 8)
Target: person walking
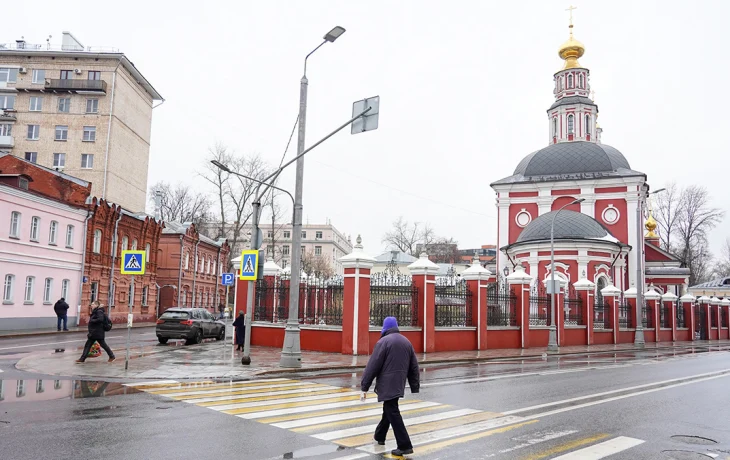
(240, 325)
(221, 309)
(99, 323)
(61, 309)
(392, 363)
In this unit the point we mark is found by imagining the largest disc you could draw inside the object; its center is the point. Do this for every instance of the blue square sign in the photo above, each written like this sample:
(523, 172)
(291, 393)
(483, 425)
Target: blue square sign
(249, 265)
(227, 279)
(133, 263)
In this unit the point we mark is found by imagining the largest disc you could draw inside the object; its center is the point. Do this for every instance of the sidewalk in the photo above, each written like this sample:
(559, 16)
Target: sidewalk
(215, 360)
(53, 330)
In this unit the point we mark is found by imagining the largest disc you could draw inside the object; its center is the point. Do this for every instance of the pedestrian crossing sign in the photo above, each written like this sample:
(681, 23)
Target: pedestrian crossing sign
(249, 265)
(133, 262)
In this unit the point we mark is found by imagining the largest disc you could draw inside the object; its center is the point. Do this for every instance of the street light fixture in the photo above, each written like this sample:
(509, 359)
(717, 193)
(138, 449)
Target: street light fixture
(221, 166)
(334, 34)
(553, 337)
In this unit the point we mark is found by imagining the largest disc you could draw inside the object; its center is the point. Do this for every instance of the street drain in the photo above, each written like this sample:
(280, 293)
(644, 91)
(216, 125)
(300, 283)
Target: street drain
(698, 440)
(684, 455)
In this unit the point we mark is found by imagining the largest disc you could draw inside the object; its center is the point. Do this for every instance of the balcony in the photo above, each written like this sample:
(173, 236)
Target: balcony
(76, 85)
(6, 142)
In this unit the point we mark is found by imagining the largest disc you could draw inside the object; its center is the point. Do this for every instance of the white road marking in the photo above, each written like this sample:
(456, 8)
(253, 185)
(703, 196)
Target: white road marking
(299, 410)
(237, 388)
(270, 402)
(602, 450)
(409, 422)
(256, 395)
(352, 457)
(348, 416)
(535, 438)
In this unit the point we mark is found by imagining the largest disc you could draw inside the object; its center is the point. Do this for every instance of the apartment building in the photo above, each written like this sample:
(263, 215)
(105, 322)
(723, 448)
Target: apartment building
(81, 110)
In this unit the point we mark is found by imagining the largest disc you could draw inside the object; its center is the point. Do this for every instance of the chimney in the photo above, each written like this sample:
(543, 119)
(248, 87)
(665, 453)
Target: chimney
(158, 205)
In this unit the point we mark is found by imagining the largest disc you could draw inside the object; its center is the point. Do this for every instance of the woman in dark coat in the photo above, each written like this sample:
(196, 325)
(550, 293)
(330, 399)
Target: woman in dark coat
(96, 333)
(240, 325)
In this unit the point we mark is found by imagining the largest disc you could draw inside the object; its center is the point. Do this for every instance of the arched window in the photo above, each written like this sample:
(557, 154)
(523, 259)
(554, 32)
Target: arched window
(147, 252)
(125, 243)
(97, 241)
(35, 224)
(580, 81)
(555, 127)
(600, 285)
(570, 80)
(560, 83)
(570, 124)
(588, 124)
(134, 244)
(187, 261)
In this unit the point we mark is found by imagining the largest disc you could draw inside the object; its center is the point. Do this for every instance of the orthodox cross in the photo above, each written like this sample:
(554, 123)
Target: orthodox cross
(570, 10)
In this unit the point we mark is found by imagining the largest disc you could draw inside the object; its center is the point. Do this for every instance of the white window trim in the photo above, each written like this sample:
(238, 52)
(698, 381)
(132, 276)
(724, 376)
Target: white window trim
(29, 283)
(92, 104)
(47, 291)
(65, 285)
(61, 164)
(53, 233)
(8, 288)
(34, 80)
(57, 130)
(15, 234)
(37, 221)
(38, 106)
(97, 241)
(70, 236)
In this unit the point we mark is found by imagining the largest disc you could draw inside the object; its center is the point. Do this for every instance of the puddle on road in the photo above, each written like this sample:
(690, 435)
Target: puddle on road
(49, 390)
(315, 451)
(684, 455)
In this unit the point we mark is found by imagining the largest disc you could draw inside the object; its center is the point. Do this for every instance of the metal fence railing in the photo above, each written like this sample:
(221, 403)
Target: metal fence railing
(501, 305)
(573, 308)
(713, 316)
(665, 317)
(320, 302)
(453, 303)
(393, 296)
(625, 321)
(680, 317)
(601, 316)
(540, 303)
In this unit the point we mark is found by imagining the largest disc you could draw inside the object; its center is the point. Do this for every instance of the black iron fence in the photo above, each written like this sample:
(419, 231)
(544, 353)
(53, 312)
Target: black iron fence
(724, 317)
(573, 308)
(501, 305)
(713, 316)
(453, 303)
(540, 303)
(320, 301)
(680, 316)
(665, 317)
(393, 296)
(601, 316)
(625, 320)
(647, 316)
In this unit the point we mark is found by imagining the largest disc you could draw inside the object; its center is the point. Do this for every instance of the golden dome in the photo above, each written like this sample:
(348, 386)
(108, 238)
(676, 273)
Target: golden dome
(570, 51)
(650, 227)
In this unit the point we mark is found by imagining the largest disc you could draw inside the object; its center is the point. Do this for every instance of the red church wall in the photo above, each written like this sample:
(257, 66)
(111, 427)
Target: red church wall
(620, 229)
(626, 336)
(312, 340)
(570, 191)
(602, 338)
(611, 189)
(562, 201)
(572, 269)
(504, 339)
(455, 340)
(592, 269)
(683, 335)
(654, 255)
(415, 337)
(575, 336)
(522, 194)
(558, 253)
(598, 254)
(514, 209)
(538, 337)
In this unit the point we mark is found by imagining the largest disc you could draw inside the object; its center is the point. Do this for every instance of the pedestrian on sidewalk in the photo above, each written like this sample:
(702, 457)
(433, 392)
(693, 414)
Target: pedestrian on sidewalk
(221, 309)
(61, 309)
(99, 323)
(240, 325)
(392, 363)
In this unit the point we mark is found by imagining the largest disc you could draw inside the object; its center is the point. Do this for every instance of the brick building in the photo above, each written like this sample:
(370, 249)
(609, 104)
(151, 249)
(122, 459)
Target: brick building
(194, 262)
(112, 229)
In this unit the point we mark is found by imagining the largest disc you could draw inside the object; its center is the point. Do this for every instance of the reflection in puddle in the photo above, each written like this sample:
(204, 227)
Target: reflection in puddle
(49, 390)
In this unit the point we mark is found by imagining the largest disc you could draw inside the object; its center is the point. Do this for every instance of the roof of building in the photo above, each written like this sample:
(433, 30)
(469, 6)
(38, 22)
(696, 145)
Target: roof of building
(573, 100)
(569, 161)
(56, 172)
(400, 257)
(570, 225)
(656, 271)
(178, 228)
(716, 283)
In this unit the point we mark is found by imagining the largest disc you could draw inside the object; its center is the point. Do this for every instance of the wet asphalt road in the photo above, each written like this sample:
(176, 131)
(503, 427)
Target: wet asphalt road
(549, 408)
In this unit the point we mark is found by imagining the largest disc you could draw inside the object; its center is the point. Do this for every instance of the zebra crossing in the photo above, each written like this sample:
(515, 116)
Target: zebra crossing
(337, 415)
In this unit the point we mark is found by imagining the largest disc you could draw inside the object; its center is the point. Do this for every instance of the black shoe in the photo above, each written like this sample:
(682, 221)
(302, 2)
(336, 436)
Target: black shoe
(400, 453)
(59, 330)
(380, 443)
(66, 330)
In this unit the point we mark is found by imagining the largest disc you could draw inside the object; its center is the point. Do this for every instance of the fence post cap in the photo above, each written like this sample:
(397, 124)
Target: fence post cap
(714, 300)
(687, 298)
(704, 299)
(630, 293)
(476, 271)
(725, 302)
(519, 276)
(651, 294)
(584, 284)
(423, 266)
(271, 268)
(669, 297)
(610, 291)
(357, 258)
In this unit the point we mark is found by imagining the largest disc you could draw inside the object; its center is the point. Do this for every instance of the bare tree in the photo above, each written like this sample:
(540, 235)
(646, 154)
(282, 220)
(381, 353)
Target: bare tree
(317, 265)
(180, 203)
(667, 214)
(220, 180)
(278, 221)
(406, 237)
(722, 265)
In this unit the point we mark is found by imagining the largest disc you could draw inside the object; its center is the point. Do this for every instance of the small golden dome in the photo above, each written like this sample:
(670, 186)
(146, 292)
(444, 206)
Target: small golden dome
(650, 227)
(570, 51)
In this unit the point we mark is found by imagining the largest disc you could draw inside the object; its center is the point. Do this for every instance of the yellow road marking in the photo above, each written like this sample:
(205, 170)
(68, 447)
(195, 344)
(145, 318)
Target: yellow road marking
(450, 442)
(241, 392)
(264, 398)
(359, 440)
(356, 421)
(223, 386)
(567, 446)
(341, 410)
(246, 410)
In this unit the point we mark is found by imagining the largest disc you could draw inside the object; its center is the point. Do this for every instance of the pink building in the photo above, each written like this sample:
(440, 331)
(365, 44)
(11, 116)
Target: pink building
(41, 244)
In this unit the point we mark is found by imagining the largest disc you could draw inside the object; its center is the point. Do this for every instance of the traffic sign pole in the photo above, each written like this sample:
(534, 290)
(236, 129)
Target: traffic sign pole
(133, 263)
(129, 325)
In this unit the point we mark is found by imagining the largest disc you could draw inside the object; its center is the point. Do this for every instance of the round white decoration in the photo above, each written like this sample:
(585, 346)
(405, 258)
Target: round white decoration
(523, 218)
(610, 215)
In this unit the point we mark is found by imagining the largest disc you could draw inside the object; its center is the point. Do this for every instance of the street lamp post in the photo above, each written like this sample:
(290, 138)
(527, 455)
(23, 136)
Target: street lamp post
(291, 354)
(553, 337)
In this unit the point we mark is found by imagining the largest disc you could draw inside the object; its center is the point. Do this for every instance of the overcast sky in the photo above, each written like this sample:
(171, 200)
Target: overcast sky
(464, 87)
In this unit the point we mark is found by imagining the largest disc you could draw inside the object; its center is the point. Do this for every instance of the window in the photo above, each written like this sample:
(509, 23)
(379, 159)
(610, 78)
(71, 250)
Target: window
(318, 235)
(144, 295)
(269, 234)
(64, 104)
(34, 132)
(15, 224)
(187, 261)
(580, 81)
(555, 127)
(35, 223)
(94, 75)
(53, 233)
(95, 291)
(56, 384)
(64, 288)
(202, 265)
(7, 101)
(48, 290)
(69, 236)
(570, 80)
(304, 235)
(134, 244)
(125, 243)
(285, 250)
(6, 129)
(304, 249)
(8, 75)
(67, 75)
(39, 76)
(59, 160)
(318, 250)
(147, 253)
(287, 234)
(39, 386)
(89, 134)
(29, 285)
(20, 389)
(36, 103)
(97, 241)
(570, 124)
(87, 161)
(8, 288)
(269, 250)
(183, 299)
(207, 266)
(92, 106)
(61, 132)
(588, 124)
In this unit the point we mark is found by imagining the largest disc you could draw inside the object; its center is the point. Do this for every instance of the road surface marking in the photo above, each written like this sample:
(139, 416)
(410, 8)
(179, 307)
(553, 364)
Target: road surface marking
(212, 389)
(373, 418)
(535, 438)
(187, 394)
(308, 404)
(353, 415)
(214, 400)
(341, 410)
(352, 457)
(263, 401)
(58, 343)
(329, 436)
(566, 446)
(602, 450)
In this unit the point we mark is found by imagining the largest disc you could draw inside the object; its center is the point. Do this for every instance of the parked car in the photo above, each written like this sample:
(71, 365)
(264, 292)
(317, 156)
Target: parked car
(191, 324)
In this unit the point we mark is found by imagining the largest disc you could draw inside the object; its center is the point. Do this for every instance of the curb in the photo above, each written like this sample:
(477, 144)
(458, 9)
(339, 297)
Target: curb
(41, 333)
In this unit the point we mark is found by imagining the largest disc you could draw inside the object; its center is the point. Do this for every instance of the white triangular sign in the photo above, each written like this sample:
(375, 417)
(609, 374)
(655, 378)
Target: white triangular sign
(249, 265)
(132, 264)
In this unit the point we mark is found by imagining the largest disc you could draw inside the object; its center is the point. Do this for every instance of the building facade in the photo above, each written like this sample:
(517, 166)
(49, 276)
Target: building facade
(190, 268)
(41, 243)
(84, 111)
(112, 229)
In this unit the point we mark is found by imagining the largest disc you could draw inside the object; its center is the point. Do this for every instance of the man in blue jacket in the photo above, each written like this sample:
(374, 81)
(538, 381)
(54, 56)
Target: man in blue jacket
(392, 363)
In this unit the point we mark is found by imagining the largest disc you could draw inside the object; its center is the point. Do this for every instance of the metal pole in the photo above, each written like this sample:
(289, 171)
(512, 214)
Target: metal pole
(291, 353)
(249, 297)
(129, 326)
(639, 335)
(553, 334)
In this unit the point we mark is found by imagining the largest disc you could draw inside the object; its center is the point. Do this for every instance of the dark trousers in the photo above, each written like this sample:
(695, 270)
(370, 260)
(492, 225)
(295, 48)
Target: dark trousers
(102, 344)
(392, 417)
(63, 318)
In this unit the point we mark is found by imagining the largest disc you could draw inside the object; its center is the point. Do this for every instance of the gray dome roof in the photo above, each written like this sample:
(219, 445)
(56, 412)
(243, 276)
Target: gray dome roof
(572, 158)
(573, 100)
(568, 225)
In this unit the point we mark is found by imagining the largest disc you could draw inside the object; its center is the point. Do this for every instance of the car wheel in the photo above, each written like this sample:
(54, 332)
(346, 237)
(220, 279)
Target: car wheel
(221, 334)
(163, 340)
(199, 336)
